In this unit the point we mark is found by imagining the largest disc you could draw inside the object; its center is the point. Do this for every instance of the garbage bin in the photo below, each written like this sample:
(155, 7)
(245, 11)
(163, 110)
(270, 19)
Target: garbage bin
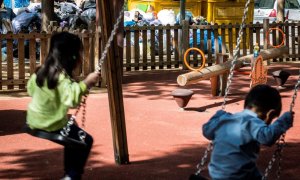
(193, 6)
(226, 11)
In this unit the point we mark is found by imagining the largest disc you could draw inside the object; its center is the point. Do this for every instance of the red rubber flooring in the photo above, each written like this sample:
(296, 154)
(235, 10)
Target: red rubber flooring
(163, 142)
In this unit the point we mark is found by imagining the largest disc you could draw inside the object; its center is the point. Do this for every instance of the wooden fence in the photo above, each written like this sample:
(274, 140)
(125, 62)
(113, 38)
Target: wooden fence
(145, 48)
(27, 51)
(158, 47)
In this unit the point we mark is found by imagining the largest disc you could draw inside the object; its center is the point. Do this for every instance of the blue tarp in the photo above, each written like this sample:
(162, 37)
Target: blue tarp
(205, 41)
(18, 3)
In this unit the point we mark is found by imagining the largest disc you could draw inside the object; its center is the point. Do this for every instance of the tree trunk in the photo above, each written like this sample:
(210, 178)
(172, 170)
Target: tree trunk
(280, 11)
(47, 13)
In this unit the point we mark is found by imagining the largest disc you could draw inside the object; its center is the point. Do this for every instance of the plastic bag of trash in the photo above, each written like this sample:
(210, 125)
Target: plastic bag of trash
(212, 38)
(188, 17)
(23, 21)
(166, 17)
(87, 4)
(89, 15)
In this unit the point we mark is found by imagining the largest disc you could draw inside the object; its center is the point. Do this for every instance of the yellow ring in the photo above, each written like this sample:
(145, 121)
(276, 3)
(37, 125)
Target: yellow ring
(202, 55)
(268, 39)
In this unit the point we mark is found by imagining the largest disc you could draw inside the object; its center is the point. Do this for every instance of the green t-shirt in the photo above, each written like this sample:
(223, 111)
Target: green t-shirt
(49, 107)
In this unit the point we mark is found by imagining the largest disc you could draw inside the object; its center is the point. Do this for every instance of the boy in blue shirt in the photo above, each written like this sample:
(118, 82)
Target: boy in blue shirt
(237, 137)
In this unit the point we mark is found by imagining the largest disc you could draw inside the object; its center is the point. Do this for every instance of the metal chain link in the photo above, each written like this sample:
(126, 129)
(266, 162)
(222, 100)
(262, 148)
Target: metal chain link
(111, 37)
(66, 130)
(295, 94)
(277, 154)
(200, 166)
(235, 56)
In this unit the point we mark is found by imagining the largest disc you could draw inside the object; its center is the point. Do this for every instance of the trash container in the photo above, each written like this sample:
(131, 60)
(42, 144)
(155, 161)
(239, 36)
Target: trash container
(191, 5)
(226, 11)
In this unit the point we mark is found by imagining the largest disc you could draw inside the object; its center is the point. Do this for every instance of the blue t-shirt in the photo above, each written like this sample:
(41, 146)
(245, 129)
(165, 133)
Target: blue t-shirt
(236, 139)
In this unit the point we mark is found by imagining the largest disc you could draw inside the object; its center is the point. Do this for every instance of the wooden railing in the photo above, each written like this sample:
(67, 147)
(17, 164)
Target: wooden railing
(159, 47)
(16, 68)
(145, 48)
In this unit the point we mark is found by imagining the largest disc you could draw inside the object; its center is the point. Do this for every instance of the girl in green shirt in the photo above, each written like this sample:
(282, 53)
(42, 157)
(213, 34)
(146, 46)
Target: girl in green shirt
(54, 91)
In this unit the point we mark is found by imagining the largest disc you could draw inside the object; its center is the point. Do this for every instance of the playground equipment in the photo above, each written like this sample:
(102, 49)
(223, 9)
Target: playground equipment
(183, 96)
(280, 77)
(259, 73)
(208, 72)
(62, 137)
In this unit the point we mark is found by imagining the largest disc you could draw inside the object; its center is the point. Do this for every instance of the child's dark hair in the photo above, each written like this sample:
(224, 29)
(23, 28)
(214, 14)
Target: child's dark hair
(264, 98)
(64, 55)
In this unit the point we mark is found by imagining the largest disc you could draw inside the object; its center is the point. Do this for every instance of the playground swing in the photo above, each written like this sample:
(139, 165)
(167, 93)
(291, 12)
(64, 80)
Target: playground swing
(62, 137)
(280, 143)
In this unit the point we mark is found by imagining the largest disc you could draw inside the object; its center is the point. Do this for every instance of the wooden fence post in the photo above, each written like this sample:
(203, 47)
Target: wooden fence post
(219, 82)
(184, 45)
(265, 30)
(0, 64)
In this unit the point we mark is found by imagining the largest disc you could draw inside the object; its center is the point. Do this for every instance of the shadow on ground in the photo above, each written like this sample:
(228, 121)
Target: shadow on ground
(40, 164)
(180, 164)
(12, 121)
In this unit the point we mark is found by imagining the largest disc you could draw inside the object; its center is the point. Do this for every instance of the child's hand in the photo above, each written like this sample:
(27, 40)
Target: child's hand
(91, 79)
(288, 117)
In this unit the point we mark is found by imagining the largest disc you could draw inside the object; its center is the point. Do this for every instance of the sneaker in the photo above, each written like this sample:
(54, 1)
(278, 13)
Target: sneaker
(66, 178)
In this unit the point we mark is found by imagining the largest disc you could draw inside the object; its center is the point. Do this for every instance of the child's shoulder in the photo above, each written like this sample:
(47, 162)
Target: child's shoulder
(222, 112)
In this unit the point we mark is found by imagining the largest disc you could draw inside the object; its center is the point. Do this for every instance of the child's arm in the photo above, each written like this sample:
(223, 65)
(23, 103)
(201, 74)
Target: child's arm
(71, 92)
(268, 135)
(209, 128)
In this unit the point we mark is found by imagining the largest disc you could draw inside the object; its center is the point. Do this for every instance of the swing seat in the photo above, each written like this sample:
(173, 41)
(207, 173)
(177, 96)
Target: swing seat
(55, 137)
(197, 177)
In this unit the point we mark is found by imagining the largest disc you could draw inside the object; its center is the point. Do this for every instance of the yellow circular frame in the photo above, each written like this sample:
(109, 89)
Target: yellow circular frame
(202, 55)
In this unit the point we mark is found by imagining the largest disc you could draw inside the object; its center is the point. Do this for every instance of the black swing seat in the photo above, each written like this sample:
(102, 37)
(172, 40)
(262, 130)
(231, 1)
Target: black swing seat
(55, 137)
(197, 177)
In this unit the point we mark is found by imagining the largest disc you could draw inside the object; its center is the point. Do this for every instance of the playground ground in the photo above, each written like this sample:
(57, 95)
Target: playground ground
(163, 142)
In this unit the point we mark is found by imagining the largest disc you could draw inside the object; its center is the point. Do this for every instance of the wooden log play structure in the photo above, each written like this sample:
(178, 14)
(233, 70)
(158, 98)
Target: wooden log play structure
(212, 71)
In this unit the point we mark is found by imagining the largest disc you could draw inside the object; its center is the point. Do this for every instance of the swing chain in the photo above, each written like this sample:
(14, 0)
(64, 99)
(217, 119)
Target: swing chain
(209, 148)
(295, 93)
(200, 165)
(66, 130)
(237, 49)
(281, 142)
(276, 155)
(111, 38)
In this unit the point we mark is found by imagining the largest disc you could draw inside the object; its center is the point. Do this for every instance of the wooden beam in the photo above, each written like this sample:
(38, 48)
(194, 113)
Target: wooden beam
(211, 71)
(108, 10)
